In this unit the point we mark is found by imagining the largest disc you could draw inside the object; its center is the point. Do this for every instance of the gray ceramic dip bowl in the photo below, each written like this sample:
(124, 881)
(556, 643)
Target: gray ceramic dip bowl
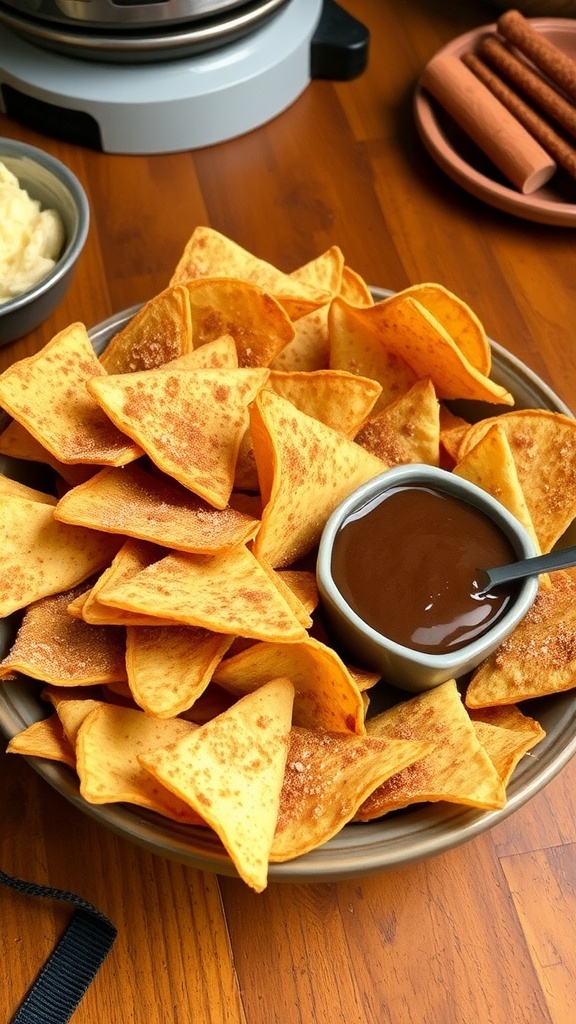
(50, 182)
(409, 669)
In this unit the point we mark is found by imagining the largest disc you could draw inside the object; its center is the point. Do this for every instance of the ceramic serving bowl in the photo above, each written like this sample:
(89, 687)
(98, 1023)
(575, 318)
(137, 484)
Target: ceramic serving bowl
(407, 668)
(50, 182)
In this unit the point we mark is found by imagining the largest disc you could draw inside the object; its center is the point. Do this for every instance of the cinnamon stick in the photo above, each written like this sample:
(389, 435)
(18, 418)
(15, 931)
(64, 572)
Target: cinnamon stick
(488, 122)
(550, 59)
(558, 148)
(528, 82)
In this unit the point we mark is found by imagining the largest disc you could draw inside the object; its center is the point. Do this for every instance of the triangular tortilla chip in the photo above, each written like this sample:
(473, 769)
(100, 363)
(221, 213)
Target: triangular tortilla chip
(229, 593)
(44, 739)
(539, 657)
(231, 770)
(259, 325)
(18, 443)
(39, 556)
(328, 776)
(47, 394)
(310, 347)
(57, 648)
(107, 748)
(457, 319)
(149, 507)
(324, 271)
(491, 466)
(506, 735)
(407, 430)
(327, 695)
(341, 400)
(354, 288)
(543, 444)
(357, 349)
(457, 770)
(132, 557)
(159, 332)
(170, 667)
(305, 470)
(210, 254)
(9, 486)
(190, 422)
(220, 354)
(72, 707)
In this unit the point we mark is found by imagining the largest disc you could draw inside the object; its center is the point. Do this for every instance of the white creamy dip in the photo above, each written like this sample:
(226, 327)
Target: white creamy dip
(31, 239)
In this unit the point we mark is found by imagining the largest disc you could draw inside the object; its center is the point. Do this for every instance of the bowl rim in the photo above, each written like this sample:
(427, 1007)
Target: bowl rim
(13, 148)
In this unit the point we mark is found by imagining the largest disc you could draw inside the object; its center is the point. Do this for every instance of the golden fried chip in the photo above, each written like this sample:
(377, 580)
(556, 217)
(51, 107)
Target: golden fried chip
(327, 695)
(452, 430)
(210, 254)
(303, 584)
(72, 707)
(47, 394)
(457, 319)
(407, 430)
(341, 400)
(289, 594)
(220, 354)
(133, 556)
(44, 739)
(354, 288)
(190, 422)
(108, 744)
(230, 770)
(457, 770)
(309, 349)
(543, 445)
(328, 777)
(53, 646)
(159, 332)
(539, 657)
(490, 465)
(305, 470)
(40, 556)
(259, 325)
(9, 486)
(405, 328)
(357, 349)
(137, 504)
(230, 593)
(169, 667)
(324, 272)
(506, 735)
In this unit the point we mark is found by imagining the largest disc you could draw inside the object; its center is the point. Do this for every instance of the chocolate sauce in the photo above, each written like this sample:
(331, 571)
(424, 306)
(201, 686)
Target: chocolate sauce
(409, 564)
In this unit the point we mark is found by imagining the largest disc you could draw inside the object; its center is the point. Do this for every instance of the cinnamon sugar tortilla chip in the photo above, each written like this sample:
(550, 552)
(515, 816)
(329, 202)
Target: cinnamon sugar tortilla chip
(407, 430)
(324, 271)
(310, 347)
(133, 556)
(230, 593)
(47, 394)
(303, 584)
(452, 430)
(219, 354)
(354, 288)
(190, 422)
(40, 556)
(405, 328)
(108, 744)
(356, 348)
(53, 646)
(327, 695)
(230, 770)
(341, 400)
(506, 735)
(138, 504)
(44, 739)
(305, 470)
(539, 657)
(9, 486)
(72, 707)
(328, 776)
(170, 667)
(490, 465)
(18, 443)
(457, 318)
(159, 332)
(457, 770)
(211, 254)
(259, 325)
(543, 445)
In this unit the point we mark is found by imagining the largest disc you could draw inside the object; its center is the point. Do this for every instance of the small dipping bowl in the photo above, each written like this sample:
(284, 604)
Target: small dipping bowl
(49, 181)
(402, 666)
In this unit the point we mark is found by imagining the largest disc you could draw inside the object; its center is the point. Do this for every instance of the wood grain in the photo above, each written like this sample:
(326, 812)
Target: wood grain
(485, 933)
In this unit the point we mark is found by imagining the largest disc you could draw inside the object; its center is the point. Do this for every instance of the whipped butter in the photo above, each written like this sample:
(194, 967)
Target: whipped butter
(31, 239)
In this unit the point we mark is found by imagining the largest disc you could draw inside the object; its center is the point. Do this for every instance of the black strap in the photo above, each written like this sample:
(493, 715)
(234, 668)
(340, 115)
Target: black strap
(74, 963)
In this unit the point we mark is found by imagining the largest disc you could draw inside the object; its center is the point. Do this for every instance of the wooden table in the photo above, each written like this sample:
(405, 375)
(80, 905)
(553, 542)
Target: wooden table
(485, 934)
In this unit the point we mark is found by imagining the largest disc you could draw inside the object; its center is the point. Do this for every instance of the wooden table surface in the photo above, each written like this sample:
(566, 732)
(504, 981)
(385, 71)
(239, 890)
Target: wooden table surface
(485, 934)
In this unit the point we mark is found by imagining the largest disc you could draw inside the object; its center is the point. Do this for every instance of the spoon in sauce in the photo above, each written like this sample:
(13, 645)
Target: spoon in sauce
(564, 558)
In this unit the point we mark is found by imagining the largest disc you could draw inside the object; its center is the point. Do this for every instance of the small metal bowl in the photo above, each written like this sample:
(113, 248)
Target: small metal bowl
(55, 187)
(409, 669)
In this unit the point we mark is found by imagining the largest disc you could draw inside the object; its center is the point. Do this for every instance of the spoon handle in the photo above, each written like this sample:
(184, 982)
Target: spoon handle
(564, 558)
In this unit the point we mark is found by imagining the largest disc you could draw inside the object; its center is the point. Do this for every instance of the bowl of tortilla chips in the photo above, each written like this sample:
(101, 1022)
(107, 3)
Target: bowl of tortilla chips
(165, 665)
